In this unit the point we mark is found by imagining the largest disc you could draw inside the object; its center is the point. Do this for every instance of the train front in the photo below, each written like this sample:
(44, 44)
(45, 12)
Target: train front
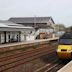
(64, 50)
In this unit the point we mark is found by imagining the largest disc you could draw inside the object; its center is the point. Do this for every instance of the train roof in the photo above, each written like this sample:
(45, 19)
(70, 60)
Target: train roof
(66, 36)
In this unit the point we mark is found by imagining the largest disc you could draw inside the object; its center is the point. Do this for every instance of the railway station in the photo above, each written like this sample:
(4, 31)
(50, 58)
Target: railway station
(35, 36)
(34, 44)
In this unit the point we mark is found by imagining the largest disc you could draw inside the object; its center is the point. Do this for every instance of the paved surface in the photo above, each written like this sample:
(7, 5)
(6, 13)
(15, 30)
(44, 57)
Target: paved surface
(26, 42)
(66, 68)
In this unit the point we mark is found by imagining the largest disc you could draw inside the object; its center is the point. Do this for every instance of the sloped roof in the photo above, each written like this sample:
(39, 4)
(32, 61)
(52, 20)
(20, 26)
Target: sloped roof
(8, 24)
(30, 19)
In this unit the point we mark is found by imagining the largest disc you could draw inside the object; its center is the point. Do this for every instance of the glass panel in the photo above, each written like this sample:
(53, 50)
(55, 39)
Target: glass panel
(65, 41)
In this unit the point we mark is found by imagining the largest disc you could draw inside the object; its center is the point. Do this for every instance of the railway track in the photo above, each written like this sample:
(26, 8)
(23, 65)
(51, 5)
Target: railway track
(15, 60)
(53, 65)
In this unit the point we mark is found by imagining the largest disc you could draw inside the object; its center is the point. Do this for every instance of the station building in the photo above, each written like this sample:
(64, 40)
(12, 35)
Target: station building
(42, 25)
(11, 32)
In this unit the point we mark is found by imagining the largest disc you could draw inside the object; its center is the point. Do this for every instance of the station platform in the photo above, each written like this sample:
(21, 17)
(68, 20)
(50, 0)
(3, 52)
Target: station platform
(66, 68)
(27, 42)
(25, 45)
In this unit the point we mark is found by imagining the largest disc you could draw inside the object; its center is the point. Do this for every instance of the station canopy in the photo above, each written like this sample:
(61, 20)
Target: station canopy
(10, 26)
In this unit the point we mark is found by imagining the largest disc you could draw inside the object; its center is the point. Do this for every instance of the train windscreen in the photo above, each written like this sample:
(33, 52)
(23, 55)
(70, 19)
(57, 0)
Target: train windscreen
(65, 41)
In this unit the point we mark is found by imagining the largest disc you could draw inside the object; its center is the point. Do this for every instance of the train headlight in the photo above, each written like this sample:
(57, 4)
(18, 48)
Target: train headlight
(70, 50)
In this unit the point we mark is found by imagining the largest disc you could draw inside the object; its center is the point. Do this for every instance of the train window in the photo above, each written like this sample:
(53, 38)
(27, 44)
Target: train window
(65, 41)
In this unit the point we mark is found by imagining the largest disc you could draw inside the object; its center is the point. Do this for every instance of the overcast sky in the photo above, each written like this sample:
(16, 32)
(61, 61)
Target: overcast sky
(59, 10)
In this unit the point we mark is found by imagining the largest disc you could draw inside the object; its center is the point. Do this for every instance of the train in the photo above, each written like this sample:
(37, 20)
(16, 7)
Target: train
(64, 48)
